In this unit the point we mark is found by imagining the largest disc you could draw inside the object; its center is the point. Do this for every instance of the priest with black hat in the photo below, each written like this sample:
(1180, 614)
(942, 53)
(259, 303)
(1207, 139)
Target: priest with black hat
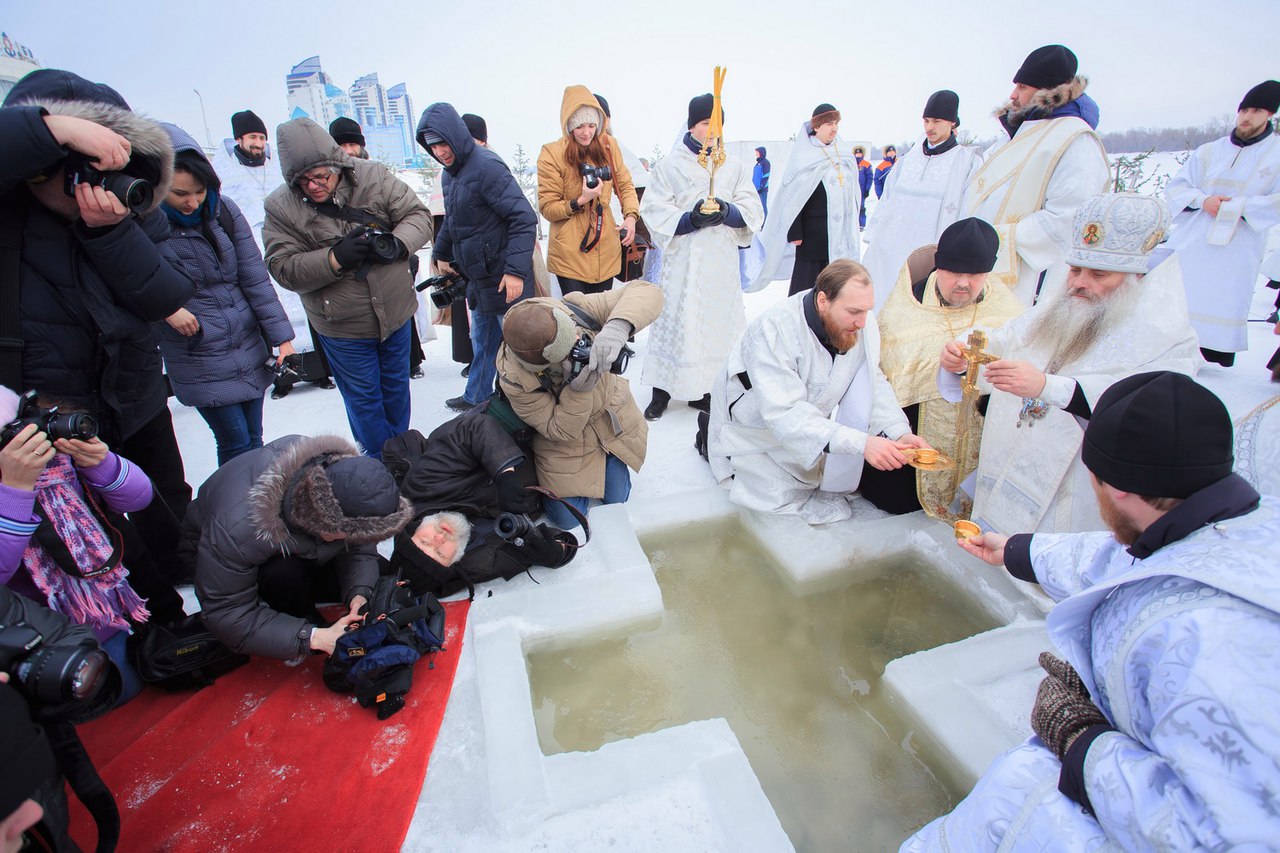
(349, 136)
(1158, 726)
(1225, 200)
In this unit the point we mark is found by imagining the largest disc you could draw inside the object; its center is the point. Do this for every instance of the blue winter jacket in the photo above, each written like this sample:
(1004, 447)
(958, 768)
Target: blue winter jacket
(235, 303)
(489, 226)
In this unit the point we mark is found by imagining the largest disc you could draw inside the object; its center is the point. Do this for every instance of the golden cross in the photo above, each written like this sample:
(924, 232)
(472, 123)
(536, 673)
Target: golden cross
(974, 357)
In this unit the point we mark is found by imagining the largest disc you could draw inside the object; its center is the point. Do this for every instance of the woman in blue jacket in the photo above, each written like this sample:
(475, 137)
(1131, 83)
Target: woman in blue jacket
(216, 346)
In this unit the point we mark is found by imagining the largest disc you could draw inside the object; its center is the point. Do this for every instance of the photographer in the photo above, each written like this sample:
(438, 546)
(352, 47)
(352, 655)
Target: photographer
(89, 274)
(588, 428)
(577, 175)
(460, 478)
(215, 346)
(487, 236)
(339, 233)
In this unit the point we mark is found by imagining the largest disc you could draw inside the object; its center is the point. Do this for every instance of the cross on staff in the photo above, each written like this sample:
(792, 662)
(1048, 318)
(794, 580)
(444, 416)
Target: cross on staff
(974, 357)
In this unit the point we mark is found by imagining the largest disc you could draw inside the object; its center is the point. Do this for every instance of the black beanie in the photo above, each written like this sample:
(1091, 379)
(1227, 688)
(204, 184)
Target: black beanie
(1047, 67)
(700, 109)
(1161, 435)
(345, 130)
(967, 246)
(363, 487)
(604, 105)
(945, 105)
(246, 122)
(26, 760)
(476, 126)
(1264, 96)
(55, 84)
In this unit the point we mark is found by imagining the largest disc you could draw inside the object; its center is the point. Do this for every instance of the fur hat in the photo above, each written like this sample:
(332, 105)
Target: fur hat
(1117, 231)
(1047, 67)
(344, 130)
(943, 104)
(247, 121)
(584, 115)
(538, 333)
(1264, 96)
(476, 126)
(967, 246)
(823, 114)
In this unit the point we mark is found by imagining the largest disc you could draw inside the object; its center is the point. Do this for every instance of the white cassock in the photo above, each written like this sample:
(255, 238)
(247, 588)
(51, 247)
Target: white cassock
(809, 163)
(922, 197)
(1221, 254)
(702, 315)
(1030, 478)
(1030, 189)
(793, 441)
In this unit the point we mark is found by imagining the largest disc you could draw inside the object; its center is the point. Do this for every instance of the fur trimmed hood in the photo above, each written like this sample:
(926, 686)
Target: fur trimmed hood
(1046, 102)
(294, 495)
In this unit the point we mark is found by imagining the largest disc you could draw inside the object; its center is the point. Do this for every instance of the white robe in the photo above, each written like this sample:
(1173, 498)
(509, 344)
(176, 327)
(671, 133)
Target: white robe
(703, 314)
(809, 163)
(1221, 255)
(1041, 238)
(1030, 478)
(922, 197)
(770, 445)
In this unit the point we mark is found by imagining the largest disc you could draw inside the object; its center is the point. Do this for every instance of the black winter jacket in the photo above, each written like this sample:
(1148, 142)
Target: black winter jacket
(489, 226)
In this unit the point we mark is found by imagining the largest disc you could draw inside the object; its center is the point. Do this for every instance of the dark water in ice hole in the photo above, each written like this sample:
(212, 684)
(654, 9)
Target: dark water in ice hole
(797, 678)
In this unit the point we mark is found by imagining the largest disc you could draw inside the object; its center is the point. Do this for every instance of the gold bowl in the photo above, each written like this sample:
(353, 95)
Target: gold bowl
(966, 529)
(926, 455)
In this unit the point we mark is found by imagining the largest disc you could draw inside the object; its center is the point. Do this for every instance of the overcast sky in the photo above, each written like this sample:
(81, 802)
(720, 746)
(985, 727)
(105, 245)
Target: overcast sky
(1151, 65)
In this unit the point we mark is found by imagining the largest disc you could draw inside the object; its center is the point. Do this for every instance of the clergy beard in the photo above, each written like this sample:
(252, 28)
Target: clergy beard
(840, 339)
(1074, 321)
(1120, 525)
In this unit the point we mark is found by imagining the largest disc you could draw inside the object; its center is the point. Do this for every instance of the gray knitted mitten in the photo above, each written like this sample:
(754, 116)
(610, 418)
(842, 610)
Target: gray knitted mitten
(1060, 714)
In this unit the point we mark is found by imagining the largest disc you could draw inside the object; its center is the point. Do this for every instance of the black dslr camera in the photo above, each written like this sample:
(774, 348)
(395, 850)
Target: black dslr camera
(288, 370)
(512, 525)
(595, 174)
(383, 245)
(79, 425)
(445, 289)
(50, 673)
(581, 354)
(134, 193)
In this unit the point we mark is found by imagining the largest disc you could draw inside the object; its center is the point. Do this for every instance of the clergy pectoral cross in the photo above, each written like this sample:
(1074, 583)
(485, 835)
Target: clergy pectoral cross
(974, 357)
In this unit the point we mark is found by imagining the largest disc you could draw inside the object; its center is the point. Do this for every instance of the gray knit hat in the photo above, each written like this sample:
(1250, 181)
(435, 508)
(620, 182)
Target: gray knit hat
(1117, 231)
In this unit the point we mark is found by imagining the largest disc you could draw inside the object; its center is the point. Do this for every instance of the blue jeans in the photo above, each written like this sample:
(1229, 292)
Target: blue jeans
(486, 337)
(131, 682)
(617, 488)
(237, 428)
(373, 378)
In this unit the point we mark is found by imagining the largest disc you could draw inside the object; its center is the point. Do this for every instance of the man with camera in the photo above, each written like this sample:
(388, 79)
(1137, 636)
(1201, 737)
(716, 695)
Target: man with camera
(84, 257)
(559, 368)
(340, 233)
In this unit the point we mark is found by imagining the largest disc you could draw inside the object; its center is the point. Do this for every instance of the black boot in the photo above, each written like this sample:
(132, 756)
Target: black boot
(703, 405)
(657, 405)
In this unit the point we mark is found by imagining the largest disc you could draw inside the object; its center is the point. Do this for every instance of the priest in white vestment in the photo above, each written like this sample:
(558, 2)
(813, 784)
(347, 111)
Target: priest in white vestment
(813, 208)
(1030, 187)
(703, 314)
(1226, 198)
(1056, 360)
(922, 195)
(802, 402)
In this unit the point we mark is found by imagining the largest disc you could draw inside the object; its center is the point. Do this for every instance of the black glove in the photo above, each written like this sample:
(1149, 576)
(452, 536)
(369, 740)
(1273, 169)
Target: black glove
(698, 219)
(546, 546)
(352, 250)
(1060, 714)
(513, 496)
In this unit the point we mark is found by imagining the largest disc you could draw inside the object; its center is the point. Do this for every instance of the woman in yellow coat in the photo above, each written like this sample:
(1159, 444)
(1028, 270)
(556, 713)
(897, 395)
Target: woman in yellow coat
(585, 251)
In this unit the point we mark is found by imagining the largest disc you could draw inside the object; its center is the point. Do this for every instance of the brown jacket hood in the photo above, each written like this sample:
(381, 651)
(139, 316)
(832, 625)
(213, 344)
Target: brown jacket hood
(301, 145)
(574, 98)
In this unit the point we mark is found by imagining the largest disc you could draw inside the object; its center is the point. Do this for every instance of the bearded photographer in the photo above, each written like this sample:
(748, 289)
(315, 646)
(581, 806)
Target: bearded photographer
(354, 279)
(588, 429)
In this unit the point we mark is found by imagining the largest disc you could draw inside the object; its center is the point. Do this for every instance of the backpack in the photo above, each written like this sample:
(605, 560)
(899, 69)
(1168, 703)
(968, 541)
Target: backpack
(376, 660)
(181, 656)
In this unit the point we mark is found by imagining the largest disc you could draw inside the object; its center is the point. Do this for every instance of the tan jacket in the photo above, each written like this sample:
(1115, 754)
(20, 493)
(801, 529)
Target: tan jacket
(558, 185)
(576, 430)
(297, 238)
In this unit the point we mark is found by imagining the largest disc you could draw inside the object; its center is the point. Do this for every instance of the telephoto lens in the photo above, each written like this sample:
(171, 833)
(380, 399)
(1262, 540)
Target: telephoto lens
(81, 425)
(50, 673)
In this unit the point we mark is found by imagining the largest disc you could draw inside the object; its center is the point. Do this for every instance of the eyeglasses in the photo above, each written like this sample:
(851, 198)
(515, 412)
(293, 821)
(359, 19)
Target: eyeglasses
(312, 180)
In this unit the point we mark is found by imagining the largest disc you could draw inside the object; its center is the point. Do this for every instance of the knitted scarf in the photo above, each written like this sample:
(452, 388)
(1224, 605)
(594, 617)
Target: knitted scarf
(99, 600)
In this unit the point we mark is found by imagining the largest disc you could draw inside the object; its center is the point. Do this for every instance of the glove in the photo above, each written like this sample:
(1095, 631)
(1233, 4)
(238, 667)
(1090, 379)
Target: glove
(1060, 714)
(1065, 673)
(513, 496)
(545, 547)
(352, 250)
(608, 342)
(586, 380)
(698, 219)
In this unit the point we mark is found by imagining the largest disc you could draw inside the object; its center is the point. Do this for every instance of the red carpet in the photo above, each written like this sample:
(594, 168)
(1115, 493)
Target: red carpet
(269, 759)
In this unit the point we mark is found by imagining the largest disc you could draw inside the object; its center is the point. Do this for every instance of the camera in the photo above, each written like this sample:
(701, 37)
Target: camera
(134, 193)
(288, 369)
(383, 245)
(595, 174)
(50, 673)
(512, 525)
(79, 425)
(580, 355)
(445, 289)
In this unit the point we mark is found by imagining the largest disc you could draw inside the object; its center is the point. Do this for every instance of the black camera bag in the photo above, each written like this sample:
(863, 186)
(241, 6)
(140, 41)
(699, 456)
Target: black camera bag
(181, 656)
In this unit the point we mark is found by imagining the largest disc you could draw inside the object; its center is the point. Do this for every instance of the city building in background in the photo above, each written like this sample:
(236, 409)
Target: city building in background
(385, 115)
(16, 61)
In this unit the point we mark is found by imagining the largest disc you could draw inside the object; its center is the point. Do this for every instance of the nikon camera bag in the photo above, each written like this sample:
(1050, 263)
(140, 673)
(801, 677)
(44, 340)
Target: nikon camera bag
(181, 656)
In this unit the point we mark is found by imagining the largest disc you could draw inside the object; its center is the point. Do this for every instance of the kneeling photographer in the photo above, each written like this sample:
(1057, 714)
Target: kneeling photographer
(563, 378)
(469, 484)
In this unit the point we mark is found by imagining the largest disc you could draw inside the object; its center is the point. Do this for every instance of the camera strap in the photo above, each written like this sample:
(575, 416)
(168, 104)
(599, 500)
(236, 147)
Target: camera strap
(592, 237)
(77, 767)
(573, 510)
(58, 551)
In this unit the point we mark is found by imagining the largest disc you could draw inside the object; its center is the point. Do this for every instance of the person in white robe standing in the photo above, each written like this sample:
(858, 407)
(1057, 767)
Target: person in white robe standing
(814, 207)
(1030, 187)
(773, 440)
(1226, 198)
(703, 315)
(1055, 361)
(923, 194)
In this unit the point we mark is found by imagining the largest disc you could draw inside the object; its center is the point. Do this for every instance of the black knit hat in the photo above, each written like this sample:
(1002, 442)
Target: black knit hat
(700, 109)
(26, 760)
(476, 126)
(346, 130)
(967, 246)
(1264, 96)
(604, 105)
(1047, 67)
(1161, 434)
(945, 105)
(247, 122)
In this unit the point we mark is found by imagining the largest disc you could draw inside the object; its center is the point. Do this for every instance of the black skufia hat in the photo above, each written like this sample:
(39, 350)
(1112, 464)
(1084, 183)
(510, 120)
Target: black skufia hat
(247, 122)
(1047, 67)
(1264, 96)
(700, 109)
(945, 105)
(345, 130)
(967, 246)
(476, 126)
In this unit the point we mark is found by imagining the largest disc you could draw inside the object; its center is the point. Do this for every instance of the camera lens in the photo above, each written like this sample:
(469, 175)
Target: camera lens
(79, 425)
(57, 674)
(511, 525)
(384, 246)
(134, 193)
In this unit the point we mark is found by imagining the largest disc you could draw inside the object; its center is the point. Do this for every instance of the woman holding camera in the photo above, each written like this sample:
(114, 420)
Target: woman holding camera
(216, 346)
(576, 176)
